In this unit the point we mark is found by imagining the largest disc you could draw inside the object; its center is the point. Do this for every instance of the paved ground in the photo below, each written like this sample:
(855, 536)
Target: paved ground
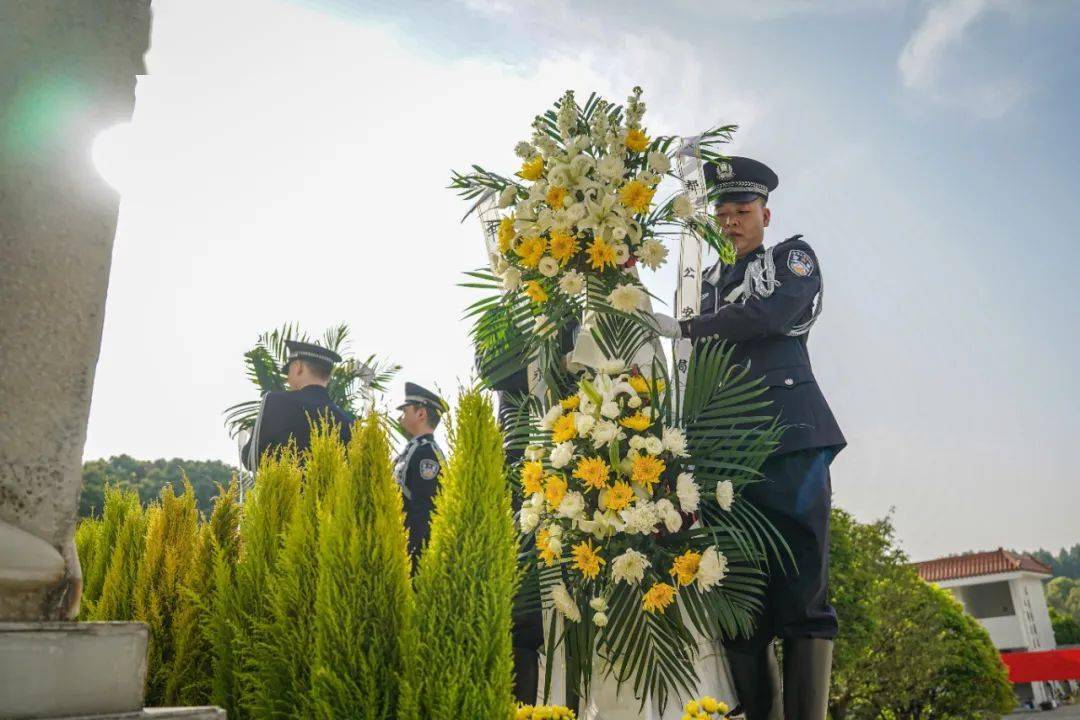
(1065, 712)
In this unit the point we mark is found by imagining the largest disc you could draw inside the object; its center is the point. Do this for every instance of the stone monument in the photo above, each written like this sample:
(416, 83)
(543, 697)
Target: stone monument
(67, 71)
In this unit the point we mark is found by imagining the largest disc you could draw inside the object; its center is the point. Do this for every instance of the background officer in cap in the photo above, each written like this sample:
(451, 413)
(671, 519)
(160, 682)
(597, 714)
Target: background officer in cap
(420, 463)
(285, 415)
(766, 303)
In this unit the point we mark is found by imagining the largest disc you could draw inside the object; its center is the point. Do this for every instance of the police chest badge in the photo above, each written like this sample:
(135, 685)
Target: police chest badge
(429, 469)
(800, 263)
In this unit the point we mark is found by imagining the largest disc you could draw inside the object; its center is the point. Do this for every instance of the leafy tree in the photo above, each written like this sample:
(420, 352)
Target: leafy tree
(352, 383)
(1066, 628)
(1065, 564)
(149, 477)
(1063, 595)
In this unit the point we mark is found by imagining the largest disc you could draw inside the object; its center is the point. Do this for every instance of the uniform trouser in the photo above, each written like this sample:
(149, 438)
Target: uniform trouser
(796, 497)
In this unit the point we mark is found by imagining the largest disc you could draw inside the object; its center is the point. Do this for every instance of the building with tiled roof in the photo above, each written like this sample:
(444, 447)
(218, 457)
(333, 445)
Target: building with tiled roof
(1004, 591)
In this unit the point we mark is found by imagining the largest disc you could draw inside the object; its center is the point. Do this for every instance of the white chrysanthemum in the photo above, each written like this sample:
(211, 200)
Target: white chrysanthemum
(507, 196)
(559, 175)
(604, 432)
(671, 517)
(629, 567)
(641, 518)
(600, 619)
(572, 505)
(611, 167)
(634, 402)
(652, 253)
(612, 367)
(555, 530)
(572, 283)
(659, 162)
(535, 501)
(653, 445)
(688, 492)
(675, 442)
(562, 454)
(626, 298)
(618, 232)
(610, 409)
(682, 207)
(637, 442)
(576, 212)
(551, 416)
(565, 604)
(548, 267)
(528, 519)
(725, 494)
(524, 150)
(534, 452)
(622, 253)
(555, 543)
(511, 279)
(598, 604)
(583, 423)
(712, 569)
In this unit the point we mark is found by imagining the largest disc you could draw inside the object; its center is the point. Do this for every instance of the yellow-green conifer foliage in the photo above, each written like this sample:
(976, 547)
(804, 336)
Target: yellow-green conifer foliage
(281, 662)
(190, 680)
(467, 578)
(171, 537)
(118, 557)
(364, 600)
(96, 541)
(240, 599)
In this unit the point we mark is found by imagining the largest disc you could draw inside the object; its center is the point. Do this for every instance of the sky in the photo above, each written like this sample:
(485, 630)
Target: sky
(288, 162)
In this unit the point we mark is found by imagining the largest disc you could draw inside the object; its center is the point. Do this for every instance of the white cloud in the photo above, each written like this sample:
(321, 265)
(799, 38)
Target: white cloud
(924, 68)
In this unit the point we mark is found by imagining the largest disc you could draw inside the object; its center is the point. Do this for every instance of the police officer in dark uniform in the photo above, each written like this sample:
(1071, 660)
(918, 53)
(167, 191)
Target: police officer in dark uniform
(420, 463)
(765, 304)
(288, 415)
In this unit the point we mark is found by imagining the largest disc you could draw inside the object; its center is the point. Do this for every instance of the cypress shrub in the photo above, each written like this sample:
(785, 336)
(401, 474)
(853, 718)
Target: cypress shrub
(118, 504)
(281, 661)
(467, 578)
(190, 681)
(171, 537)
(87, 542)
(239, 598)
(118, 557)
(363, 599)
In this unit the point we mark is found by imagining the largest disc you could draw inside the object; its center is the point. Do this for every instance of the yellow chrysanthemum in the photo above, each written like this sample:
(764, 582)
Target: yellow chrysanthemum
(587, 560)
(712, 705)
(619, 496)
(685, 567)
(658, 597)
(601, 254)
(563, 246)
(556, 197)
(592, 472)
(555, 490)
(638, 421)
(533, 168)
(636, 140)
(637, 196)
(571, 403)
(543, 547)
(532, 475)
(531, 250)
(563, 429)
(647, 470)
(506, 233)
(534, 291)
(642, 385)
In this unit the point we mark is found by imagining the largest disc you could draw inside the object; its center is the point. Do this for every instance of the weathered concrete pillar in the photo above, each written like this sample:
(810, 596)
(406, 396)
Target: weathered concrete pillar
(67, 71)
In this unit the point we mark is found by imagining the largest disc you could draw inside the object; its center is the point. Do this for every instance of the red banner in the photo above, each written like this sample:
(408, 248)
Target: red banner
(1025, 667)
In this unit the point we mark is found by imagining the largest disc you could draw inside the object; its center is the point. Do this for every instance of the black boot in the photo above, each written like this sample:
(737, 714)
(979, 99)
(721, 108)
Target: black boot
(756, 677)
(807, 670)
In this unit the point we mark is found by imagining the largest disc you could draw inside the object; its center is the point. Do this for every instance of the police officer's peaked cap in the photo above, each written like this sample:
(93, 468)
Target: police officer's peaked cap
(308, 351)
(417, 395)
(739, 179)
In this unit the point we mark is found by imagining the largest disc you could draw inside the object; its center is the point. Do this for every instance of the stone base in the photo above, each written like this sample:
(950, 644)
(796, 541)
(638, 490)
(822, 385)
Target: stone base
(60, 669)
(187, 713)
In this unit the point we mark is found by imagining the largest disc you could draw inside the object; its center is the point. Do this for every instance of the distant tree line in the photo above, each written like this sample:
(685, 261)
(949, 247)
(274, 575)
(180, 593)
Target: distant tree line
(148, 477)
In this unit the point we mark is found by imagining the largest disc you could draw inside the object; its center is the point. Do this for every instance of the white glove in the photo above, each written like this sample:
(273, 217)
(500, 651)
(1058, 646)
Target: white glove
(667, 326)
